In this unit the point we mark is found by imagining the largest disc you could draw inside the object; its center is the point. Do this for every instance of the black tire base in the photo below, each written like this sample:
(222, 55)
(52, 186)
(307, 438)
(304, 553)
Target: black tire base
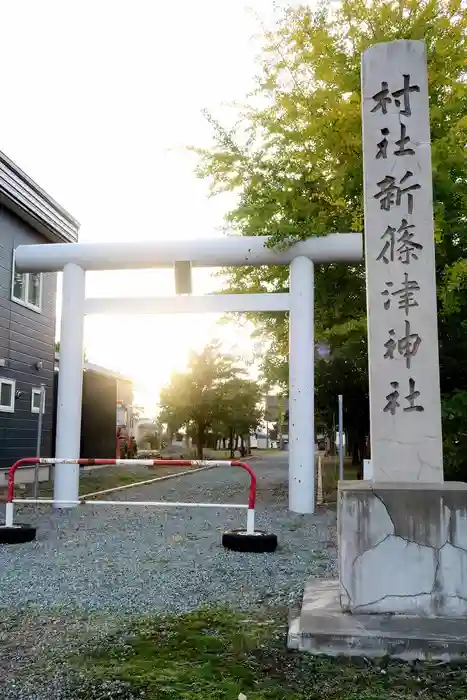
(18, 534)
(239, 541)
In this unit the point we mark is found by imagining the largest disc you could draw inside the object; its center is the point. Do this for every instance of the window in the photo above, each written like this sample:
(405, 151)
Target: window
(36, 400)
(7, 395)
(26, 288)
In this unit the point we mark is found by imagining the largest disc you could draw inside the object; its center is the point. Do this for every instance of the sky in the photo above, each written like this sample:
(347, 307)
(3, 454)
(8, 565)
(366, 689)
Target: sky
(100, 100)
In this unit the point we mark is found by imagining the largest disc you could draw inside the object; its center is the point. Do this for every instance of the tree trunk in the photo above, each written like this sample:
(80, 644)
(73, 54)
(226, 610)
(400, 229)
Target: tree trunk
(242, 446)
(231, 444)
(236, 442)
(355, 454)
(200, 441)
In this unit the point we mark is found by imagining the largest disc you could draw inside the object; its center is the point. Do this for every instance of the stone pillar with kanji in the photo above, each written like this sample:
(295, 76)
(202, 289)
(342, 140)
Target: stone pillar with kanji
(402, 532)
(405, 407)
(402, 535)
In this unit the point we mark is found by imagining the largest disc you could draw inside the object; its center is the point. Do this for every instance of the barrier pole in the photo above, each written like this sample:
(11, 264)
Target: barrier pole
(156, 504)
(121, 462)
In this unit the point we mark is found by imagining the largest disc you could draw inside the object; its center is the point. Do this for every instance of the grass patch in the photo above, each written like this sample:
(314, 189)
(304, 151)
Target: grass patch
(217, 654)
(330, 466)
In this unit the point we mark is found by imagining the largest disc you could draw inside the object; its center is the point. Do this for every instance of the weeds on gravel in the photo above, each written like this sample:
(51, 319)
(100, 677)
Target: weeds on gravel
(218, 654)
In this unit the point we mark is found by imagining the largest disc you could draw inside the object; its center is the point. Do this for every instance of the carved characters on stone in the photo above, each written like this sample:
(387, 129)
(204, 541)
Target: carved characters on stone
(407, 346)
(399, 244)
(405, 295)
(382, 97)
(393, 397)
(404, 394)
(404, 149)
(390, 194)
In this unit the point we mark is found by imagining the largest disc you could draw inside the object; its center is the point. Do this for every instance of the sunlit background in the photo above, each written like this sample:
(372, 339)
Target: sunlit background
(102, 97)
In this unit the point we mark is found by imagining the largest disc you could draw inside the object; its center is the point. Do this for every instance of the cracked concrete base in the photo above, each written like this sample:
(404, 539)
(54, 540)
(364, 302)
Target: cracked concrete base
(322, 628)
(403, 548)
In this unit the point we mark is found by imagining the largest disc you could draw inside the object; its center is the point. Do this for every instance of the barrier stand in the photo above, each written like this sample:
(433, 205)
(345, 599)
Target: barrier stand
(248, 540)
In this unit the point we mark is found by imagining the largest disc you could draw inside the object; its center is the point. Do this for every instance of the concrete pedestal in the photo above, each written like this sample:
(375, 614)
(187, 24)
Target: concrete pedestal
(322, 628)
(402, 588)
(403, 548)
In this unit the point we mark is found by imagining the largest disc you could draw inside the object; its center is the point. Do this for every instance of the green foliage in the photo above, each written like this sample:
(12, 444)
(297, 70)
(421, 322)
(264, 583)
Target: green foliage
(214, 395)
(239, 409)
(296, 163)
(455, 436)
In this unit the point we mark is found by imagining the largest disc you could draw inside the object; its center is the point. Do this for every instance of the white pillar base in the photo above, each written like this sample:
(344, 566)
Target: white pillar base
(250, 522)
(301, 391)
(9, 508)
(70, 386)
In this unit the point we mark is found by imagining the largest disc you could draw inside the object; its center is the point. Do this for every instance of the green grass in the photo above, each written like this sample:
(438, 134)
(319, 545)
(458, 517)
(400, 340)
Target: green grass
(330, 467)
(216, 654)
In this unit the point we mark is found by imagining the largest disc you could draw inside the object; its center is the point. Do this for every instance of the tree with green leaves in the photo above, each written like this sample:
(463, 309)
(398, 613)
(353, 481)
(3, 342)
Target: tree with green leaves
(212, 396)
(240, 410)
(295, 160)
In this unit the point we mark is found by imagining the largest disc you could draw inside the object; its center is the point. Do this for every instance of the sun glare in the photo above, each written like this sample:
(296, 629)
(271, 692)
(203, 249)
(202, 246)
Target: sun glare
(148, 348)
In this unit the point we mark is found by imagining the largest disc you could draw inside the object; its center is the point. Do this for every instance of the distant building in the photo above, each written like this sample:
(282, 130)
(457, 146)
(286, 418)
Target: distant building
(107, 407)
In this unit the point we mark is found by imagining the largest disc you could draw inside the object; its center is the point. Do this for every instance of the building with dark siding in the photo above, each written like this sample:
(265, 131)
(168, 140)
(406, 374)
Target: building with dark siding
(28, 215)
(107, 404)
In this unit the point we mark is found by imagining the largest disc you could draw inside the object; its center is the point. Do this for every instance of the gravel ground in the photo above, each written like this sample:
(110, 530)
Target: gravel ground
(92, 567)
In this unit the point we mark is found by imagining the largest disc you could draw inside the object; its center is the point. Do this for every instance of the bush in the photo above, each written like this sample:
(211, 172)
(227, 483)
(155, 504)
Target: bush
(454, 412)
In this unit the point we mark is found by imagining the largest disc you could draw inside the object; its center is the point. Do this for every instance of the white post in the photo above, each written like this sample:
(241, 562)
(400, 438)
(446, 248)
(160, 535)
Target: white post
(250, 522)
(39, 439)
(301, 380)
(9, 509)
(70, 384)
(367, 470)
(341, 437)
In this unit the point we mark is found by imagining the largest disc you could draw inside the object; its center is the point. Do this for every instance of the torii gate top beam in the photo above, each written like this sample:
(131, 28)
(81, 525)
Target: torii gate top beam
(209, 252)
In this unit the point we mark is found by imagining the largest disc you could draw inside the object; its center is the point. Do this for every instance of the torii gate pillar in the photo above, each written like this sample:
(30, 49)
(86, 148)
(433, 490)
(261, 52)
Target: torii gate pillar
(301, 387)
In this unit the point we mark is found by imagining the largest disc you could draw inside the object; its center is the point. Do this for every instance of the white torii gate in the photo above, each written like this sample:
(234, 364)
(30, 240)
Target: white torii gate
(76, 258)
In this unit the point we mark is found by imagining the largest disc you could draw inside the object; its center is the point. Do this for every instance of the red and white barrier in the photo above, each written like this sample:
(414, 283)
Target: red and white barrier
(249, 507)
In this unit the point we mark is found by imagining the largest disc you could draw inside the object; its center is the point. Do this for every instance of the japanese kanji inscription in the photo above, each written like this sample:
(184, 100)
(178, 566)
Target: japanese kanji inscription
(400, 265)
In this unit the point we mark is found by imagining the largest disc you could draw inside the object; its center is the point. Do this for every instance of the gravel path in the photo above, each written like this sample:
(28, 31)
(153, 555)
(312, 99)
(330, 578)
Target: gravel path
(91, 566)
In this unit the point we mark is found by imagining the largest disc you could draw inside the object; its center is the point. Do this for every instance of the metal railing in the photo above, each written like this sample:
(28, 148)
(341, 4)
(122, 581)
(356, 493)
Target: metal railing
(11, 500)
